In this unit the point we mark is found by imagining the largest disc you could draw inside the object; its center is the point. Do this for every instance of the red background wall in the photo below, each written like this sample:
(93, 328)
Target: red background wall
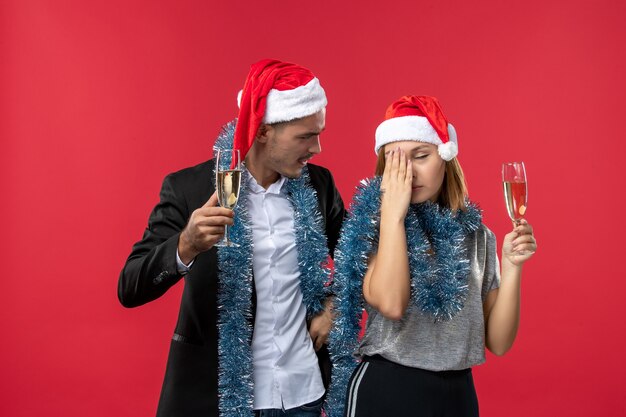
(100, 100)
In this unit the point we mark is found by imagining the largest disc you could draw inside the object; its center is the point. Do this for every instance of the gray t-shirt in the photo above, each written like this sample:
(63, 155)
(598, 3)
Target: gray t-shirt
(418, 341)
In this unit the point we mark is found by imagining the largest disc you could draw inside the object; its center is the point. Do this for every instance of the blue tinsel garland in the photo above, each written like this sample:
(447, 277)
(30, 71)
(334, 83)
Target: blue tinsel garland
(235, 378)
(438, 281)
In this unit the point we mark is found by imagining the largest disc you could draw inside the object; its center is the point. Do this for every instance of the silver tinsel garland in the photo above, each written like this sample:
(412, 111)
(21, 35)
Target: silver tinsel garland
(235, 380)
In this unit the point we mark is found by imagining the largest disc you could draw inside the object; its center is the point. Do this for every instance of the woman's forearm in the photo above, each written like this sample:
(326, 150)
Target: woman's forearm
(389, 284)
(503, 319)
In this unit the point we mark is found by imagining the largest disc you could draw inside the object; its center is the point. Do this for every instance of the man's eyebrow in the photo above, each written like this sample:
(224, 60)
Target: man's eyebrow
(311, 133)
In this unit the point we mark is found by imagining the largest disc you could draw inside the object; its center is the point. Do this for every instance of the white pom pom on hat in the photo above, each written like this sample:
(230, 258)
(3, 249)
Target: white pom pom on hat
(420, 119)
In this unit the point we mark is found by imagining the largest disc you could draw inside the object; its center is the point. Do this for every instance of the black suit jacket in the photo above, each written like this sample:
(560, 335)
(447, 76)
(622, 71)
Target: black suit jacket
(190, 384)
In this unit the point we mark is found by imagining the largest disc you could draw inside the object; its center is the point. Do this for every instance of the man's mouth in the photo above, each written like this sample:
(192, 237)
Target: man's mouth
(304, 161)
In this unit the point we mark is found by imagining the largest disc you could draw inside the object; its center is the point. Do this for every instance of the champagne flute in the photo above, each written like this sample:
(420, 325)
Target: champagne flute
(227, 183)
(515, 190)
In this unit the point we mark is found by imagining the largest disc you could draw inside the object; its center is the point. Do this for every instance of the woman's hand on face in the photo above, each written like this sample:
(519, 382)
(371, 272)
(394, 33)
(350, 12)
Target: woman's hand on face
(519, 245)
(396, 185)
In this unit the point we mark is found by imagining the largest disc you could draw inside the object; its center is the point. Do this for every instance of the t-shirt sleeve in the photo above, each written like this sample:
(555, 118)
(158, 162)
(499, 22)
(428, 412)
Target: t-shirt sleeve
(491, 278)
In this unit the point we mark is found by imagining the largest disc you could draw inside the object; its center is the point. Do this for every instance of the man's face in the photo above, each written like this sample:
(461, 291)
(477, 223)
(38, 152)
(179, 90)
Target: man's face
(290, 145)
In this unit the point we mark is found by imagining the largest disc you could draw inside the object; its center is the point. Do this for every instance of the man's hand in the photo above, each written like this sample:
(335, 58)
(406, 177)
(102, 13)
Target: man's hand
(320, 326)
(204, 229)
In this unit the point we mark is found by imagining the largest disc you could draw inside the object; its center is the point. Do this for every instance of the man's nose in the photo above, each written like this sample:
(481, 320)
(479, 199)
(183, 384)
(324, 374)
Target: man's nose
(316, 146)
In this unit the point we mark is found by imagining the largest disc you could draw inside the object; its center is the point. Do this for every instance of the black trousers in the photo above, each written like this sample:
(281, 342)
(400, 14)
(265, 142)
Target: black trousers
(380, 388)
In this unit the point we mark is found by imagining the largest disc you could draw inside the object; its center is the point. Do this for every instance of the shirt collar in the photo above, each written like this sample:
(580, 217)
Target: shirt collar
(274, 188)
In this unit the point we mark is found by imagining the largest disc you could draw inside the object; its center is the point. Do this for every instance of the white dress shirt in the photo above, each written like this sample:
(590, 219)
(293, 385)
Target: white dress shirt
(286, 370)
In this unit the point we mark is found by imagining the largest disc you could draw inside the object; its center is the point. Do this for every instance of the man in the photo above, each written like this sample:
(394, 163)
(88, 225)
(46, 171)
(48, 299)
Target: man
(252, 317)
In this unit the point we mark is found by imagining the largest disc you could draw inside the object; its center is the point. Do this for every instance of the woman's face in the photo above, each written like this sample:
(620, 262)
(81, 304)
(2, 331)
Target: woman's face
(428, 169)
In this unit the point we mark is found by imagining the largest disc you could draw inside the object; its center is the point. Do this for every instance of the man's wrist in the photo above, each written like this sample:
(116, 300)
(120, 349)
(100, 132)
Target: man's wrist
(182, 267)
(185, 251)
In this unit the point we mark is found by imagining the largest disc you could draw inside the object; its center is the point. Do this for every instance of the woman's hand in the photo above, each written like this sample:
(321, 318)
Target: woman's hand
(396, 185)
(519, 245)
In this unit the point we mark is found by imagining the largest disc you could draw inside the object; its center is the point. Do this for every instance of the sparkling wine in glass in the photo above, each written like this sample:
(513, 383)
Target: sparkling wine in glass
(228, 184)
(515, 190)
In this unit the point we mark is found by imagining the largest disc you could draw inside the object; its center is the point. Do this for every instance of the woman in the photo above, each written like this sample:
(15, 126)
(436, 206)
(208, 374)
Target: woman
(427, 273)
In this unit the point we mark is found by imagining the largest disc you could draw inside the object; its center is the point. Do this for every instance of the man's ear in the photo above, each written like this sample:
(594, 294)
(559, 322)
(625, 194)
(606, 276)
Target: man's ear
(263, 133)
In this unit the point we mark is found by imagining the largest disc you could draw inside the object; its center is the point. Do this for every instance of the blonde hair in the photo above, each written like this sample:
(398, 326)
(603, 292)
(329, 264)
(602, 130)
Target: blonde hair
(453, 190)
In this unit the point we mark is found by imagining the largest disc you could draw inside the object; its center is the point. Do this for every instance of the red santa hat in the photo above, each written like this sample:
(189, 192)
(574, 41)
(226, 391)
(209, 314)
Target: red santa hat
(421, 119)
(275, 92)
